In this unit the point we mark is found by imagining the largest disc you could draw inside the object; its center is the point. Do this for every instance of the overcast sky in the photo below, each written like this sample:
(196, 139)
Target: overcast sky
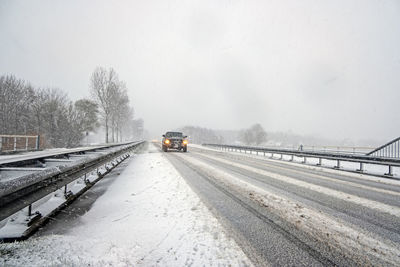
(330, 68)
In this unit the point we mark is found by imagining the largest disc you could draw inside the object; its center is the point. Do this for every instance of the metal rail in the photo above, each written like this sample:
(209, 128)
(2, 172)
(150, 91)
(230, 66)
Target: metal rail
(360, 159)
(22, 192)
(20, 160)
(389, 150)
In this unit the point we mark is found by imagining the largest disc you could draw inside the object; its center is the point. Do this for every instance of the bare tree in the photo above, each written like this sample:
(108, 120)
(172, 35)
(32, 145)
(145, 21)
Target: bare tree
(103, 84)
(15, 100)
(120, 111)
(200, 135)
(50, 113)
(111, 95)
(54, 110)
(87, 111)
(37, 106)
(137, 129)
(255, 135)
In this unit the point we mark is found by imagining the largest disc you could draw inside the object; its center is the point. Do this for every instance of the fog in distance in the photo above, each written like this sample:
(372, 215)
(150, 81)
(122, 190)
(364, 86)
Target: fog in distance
(324, 68)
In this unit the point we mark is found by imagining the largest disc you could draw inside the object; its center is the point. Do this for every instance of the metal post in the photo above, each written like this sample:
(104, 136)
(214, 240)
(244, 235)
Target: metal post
(292, 158)
(30, 210)
(1, 143)
(281, 156)
(26, 143)
(304, 160)
(264, 153)
(337, 165)
(15, 143)
(65, 189)
(361, 167)
(319, 162)
(390, 173)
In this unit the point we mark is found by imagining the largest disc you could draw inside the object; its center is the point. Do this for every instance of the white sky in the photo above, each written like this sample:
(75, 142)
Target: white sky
(326, 67)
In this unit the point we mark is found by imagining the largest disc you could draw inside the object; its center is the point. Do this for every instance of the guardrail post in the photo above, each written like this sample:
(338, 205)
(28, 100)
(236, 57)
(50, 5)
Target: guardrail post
(30, 210)
(319, 162)
(292, 158)
(304, 160)
(337, 165)
(15, 143)
(1, 143)
(281, 156)
(272, 155)
(264, 153)
(26, 143)
(390, 173)
(361, 169)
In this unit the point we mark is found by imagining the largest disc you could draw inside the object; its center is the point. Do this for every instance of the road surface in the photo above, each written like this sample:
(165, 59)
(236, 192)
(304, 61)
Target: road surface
(286, 214)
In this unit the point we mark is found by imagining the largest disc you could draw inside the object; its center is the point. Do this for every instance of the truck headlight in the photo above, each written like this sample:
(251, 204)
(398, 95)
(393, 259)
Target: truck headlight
(167, 141)
(185, 142)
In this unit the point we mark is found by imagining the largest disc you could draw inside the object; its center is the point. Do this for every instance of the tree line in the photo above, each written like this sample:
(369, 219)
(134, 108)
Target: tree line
(48, 112)
(254, 135)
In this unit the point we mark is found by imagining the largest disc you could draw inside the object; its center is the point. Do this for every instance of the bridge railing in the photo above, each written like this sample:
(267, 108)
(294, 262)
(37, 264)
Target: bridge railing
(338, 157)
(389, 150)
(330, 149)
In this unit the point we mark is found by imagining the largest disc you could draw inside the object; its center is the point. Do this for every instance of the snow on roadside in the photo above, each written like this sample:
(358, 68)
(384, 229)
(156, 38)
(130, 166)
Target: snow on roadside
(148, 216)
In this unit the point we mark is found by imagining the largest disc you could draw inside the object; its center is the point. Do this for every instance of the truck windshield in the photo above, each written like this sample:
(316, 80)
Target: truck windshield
(173, 134)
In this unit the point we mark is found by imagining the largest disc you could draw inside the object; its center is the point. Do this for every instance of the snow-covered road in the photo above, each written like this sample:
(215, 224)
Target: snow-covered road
(148, 216)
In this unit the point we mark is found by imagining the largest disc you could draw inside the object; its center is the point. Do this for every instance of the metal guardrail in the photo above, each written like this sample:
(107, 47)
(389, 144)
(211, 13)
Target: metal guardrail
(22, 192)
(25, 159)
(389, 150)
(331, 149)
(361, 159)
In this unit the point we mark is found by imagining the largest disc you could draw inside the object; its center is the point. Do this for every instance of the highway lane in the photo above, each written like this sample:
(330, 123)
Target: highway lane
(285, 214)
